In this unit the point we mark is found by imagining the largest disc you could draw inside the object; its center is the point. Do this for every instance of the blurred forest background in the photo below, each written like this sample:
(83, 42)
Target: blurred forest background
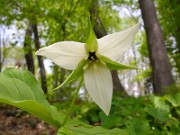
(27, 25)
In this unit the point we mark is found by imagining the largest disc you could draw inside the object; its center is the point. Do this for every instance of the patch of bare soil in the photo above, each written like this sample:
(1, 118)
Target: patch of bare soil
(14, 121)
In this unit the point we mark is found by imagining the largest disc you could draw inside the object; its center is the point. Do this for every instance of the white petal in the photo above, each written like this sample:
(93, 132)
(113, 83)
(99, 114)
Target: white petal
(98, 82)
(66, 54)
(116, 44)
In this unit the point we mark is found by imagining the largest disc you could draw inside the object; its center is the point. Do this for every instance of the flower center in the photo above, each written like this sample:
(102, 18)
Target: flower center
(92, 56)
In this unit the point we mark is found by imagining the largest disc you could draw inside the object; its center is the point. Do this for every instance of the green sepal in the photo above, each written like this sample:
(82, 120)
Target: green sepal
(76, 73)
(113, 65)
(91, 42)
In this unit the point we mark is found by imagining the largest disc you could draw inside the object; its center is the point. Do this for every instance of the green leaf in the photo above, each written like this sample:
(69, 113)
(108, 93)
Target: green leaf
(74, 75)
(110, 121)
(20, 89)
(157, 113)
(90, 130)
(174, 99)
(138, 126)
(160, 103)
(64, 131)
(113, 65)
(91, 43)
(76, 127)
(159, 109)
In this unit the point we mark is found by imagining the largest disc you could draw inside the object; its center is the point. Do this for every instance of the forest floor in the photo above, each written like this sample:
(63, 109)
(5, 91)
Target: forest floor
(14, 121)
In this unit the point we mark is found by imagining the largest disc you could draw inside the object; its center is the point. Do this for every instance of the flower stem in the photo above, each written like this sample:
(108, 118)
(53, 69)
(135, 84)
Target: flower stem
(73, 101)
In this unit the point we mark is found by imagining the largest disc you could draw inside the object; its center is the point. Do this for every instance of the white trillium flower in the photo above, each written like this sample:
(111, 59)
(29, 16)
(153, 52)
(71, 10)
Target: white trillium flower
(94, 60)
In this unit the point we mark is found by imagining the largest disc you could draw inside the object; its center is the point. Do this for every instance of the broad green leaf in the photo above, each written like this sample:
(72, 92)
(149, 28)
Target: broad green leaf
(34, 108)
(113, 65)
(64, 131)
(74, 75)
(157, 113)
(137, 126)
(81, 130)
(20, 89)
(159, 109)
(110, 121)
(76, 127)
(174, 99)
(29, 80)
(160, 103)
(91, 43)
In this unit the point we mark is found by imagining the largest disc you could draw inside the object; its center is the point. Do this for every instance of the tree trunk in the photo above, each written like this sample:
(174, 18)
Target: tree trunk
(28, 50)
(63, 71)
(0, 53)
(101, 32)
(55, 75)
(40, 59)
(161, 71)
(137, 72)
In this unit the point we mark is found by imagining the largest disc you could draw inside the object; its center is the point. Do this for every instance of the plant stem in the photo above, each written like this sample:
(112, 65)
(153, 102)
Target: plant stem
(73, 101)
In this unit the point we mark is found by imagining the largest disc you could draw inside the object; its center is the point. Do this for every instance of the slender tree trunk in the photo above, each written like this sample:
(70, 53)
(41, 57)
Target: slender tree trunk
(55, 75)
(40, 59)
(101, 32)
(161, 71)
(63, 71)
(0, 53)
(28, 50)
(137, 72)
(3, 53)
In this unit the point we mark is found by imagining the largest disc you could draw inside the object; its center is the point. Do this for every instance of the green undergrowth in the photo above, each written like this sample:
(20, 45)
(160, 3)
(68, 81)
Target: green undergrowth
(145, 115)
